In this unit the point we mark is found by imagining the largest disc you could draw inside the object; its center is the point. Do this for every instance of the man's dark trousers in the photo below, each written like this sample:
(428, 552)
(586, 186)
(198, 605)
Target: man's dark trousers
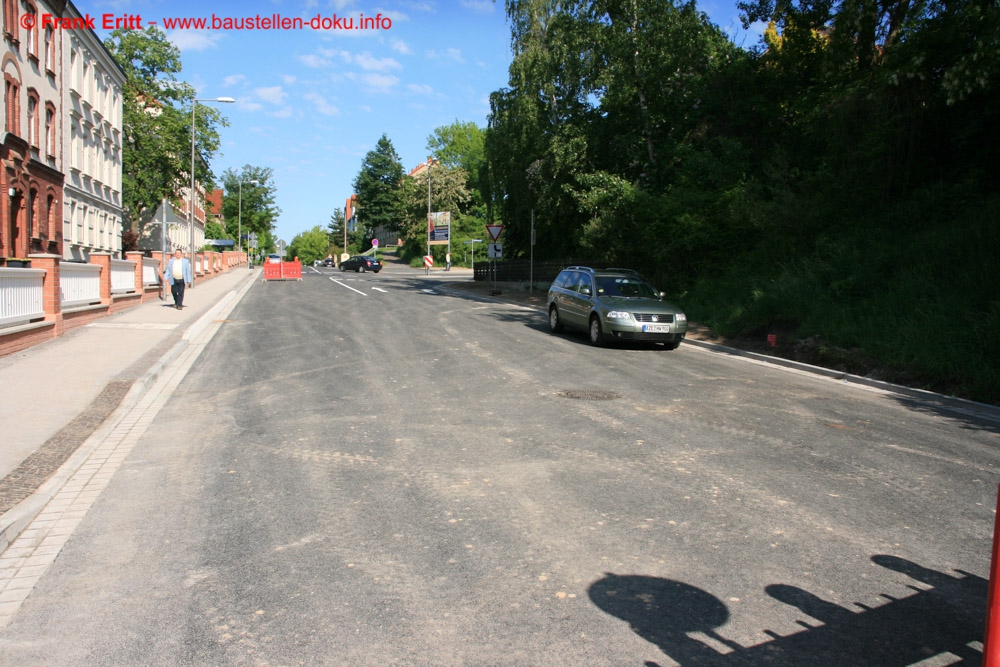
(177, 291)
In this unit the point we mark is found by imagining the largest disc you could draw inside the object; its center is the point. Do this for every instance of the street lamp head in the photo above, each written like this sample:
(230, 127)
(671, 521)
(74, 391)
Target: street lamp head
(227, 100)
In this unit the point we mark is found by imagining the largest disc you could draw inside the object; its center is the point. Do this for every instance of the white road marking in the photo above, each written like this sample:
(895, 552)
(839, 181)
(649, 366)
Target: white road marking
(379, 289)
(348, 287)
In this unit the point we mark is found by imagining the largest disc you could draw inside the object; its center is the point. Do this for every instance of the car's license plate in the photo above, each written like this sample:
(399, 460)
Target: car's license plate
(656, 328)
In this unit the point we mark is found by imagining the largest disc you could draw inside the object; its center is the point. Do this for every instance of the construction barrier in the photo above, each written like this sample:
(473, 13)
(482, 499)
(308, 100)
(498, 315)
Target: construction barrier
(283, 270)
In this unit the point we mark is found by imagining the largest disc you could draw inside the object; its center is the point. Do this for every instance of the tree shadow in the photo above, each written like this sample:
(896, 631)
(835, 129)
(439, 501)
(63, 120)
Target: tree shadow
(944, 619)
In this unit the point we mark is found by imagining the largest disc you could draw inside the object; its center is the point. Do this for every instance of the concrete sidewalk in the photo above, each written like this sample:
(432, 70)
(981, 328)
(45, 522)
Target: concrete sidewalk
(53, 396)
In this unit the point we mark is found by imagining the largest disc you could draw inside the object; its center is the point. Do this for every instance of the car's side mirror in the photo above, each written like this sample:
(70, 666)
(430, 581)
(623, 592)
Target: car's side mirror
(663, 295)
(585, 291)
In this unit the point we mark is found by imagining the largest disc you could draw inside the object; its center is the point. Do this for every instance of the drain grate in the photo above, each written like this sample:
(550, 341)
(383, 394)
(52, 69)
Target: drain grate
(589, 394)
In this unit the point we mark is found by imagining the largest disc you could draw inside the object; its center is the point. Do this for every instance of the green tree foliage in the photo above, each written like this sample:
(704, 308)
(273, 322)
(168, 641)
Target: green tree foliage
(258, 212)
(214, 230)
(448, 193)
(795, 185)
(156, 123)
(309, 246)
(378, 187)
(461, 145)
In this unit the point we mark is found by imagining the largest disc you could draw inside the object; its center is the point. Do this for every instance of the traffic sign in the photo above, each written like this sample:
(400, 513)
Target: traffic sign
(374, 243)
(494, 251)
(428, 261)
(494, 231)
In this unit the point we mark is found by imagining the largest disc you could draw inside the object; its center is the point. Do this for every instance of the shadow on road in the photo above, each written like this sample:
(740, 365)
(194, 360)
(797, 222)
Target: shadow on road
(943, 619)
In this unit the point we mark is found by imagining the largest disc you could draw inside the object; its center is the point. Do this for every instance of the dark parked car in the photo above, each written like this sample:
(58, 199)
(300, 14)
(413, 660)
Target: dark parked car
(329, 262)
(614, 304)
(361, 263)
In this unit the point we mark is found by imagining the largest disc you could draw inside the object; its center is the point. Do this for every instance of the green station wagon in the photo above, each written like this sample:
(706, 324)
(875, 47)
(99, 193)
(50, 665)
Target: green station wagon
(613, 304)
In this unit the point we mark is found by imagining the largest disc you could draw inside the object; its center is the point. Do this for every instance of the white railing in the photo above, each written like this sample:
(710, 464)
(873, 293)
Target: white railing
(150, 271)
(79, 284)
(122, 276)
(21, 295)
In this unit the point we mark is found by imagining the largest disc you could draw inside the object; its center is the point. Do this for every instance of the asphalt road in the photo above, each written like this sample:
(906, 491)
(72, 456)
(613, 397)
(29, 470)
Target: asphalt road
(370, 470)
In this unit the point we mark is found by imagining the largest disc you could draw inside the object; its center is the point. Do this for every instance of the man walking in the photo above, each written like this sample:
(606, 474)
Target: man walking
(179, 275)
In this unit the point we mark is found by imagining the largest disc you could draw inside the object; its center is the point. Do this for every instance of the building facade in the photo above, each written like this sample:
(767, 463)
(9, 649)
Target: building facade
(61, 145)
(31, 175)
(92, 144)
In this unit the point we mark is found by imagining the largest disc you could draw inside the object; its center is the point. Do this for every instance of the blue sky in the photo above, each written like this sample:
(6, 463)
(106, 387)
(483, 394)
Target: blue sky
(311, 103)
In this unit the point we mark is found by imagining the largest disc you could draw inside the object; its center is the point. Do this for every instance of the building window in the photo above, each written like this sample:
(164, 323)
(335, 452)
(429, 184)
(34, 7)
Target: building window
(12, 90)
(32, 117)
(10, 19)
(50, 50)
(32, 202)
(50, 129)
(47, 226)
(31, 34)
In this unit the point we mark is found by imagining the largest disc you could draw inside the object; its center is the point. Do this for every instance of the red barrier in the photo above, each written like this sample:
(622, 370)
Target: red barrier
(283, 270)
(291, 270)
(991, 642)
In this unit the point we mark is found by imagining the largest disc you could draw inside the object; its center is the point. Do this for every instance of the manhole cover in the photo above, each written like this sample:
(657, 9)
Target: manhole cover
(589, 394)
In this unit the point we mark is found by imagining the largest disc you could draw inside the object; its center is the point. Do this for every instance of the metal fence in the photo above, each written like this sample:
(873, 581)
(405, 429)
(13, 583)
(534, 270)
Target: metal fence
(150, 271)
(122, 276)
(21, 296)
(79, 284)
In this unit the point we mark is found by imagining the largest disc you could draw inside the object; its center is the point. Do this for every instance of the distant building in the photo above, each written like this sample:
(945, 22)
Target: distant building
(350, 213)
(30, 148)
(213, 207)
(175, 220)
(91, 91)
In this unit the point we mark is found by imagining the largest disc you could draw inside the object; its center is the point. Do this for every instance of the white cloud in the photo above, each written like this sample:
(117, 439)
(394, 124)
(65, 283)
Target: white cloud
(194, 40)
(400, 46)
(420, 89)
(272, 94)
(380, 82)
(282, 113)
(314, 61)
(481, 6)
(247, 104)
(288, 79)
(233, 79)
(368, 62)
(448, 54)
(321, 105)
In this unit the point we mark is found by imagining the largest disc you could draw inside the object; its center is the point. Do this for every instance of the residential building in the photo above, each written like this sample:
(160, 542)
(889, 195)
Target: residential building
(179, 232)
(92, 87)
(31, 176)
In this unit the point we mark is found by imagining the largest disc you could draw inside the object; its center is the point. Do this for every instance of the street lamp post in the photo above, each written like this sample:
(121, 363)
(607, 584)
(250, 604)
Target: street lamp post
(194, 106)
(239, 224)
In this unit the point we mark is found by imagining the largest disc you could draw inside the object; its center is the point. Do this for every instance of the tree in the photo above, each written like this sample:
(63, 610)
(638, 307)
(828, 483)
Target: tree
(461, 145)
(156, 129)
(258, 208)
(309, 246)
(335, 228)
(448, 193)
(378, 187)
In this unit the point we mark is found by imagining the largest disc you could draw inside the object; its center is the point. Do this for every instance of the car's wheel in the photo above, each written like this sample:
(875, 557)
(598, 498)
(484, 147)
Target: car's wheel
(555, 325)
(342, 268)
(362, 269)
(596, 333)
